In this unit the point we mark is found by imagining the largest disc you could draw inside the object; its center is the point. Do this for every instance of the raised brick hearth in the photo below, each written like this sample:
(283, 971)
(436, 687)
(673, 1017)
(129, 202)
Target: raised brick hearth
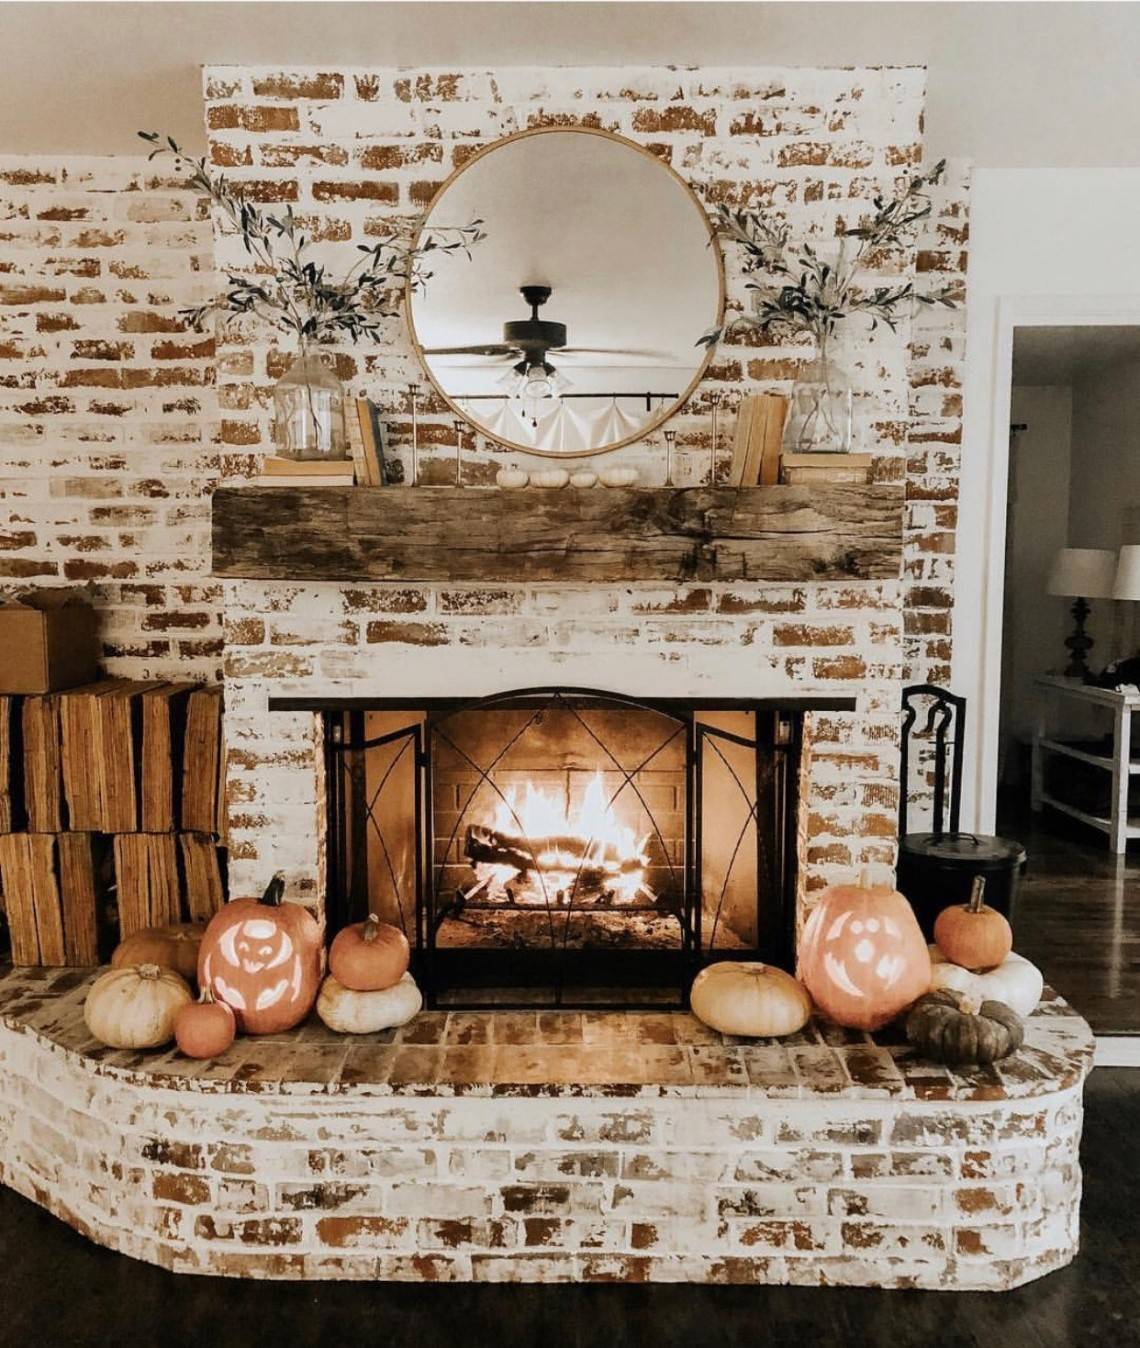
(552, 1147)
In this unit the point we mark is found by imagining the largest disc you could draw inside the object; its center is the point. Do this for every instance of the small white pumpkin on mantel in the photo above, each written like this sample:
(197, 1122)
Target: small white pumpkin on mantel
(350, 1012)
(1015, 981)
(748, 998)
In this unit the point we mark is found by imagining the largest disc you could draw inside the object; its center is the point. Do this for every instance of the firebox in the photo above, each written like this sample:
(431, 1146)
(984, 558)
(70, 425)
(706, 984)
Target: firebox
(565, 846)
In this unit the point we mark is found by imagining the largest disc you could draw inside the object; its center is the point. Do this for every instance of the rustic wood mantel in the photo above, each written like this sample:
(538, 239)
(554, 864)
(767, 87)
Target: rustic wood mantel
(848, 532)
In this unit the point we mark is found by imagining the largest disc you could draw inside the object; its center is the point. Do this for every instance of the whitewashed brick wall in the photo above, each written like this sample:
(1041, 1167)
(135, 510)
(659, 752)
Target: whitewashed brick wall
(108, 418)
(354, 151)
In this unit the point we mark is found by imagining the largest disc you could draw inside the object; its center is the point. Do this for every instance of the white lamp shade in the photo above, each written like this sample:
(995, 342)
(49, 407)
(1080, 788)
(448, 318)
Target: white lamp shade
(1127, 583)
(1085, 572)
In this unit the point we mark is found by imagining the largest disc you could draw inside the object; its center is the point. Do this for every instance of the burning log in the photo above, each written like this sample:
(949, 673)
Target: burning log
(497, 848)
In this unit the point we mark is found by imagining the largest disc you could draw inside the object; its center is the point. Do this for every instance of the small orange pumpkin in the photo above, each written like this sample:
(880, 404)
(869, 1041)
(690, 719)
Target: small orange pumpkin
(863, 957)
(205, 1028)
(262, 958)
(973, 934)
(369, 956)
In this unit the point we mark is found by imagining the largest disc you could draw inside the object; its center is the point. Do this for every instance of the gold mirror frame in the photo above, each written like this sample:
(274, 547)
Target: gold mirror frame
(714, 243)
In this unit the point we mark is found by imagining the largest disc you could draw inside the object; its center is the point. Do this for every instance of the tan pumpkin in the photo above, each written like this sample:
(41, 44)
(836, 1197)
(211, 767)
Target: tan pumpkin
(752, 999)
(973, 934)
(204, 1028)
(1015, 982)
(174, 946)
(351, 1012)
(369, 955)
(956, 1029)
(135, 1006)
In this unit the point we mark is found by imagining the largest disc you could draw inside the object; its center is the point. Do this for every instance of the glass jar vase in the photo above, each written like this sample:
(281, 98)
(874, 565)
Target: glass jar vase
(308, 409)
(821, 413)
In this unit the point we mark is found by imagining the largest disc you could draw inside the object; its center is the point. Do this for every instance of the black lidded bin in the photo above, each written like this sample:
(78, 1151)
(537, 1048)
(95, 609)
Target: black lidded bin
(937, 869)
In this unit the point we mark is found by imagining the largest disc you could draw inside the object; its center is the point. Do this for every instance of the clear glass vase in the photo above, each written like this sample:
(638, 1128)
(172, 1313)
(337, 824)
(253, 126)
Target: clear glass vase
(308, 407)
(821, 412)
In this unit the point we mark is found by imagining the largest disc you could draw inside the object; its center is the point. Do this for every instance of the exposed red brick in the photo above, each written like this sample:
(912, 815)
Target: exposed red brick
(368, 190)
(230, 117)
(285, 85)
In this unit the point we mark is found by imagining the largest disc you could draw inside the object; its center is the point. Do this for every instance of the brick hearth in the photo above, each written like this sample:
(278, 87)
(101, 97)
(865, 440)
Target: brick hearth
(550, 1147)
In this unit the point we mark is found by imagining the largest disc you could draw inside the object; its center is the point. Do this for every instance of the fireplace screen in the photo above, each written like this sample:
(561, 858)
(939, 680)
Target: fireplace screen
(564, 846)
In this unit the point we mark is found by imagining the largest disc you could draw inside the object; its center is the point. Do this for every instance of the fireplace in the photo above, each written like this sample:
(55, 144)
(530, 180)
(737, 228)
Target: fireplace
(565, 846)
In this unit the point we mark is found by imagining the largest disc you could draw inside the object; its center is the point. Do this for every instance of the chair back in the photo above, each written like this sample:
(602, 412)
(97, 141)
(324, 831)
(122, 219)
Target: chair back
(945, 726)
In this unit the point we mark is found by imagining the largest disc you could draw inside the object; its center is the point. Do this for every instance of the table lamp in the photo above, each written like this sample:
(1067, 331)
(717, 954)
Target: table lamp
(1081, 574)
(1127, 582)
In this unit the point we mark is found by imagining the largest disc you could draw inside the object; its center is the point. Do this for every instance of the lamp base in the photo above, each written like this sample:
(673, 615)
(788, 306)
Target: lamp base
(1079, 643)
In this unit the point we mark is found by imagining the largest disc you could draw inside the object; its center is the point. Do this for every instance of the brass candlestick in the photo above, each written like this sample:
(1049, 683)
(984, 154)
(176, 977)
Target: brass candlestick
(413, 399)
(714, 399)
(670, 436)
(458, 452)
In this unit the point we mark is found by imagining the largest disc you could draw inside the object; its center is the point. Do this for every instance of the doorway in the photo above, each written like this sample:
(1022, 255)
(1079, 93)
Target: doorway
(1068, 776)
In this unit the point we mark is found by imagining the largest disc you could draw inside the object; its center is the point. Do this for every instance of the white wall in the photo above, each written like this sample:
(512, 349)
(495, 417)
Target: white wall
(1037, 520)
(1047, 245)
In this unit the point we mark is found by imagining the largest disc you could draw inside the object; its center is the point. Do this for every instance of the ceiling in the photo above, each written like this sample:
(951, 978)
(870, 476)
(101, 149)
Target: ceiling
(1010, 84)
(1062, 355)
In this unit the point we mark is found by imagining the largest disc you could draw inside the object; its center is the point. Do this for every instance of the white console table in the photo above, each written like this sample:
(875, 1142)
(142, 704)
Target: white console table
(1120, 763)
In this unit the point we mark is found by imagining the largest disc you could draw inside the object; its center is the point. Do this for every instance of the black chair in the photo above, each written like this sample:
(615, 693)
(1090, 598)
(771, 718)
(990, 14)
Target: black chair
(937, 869)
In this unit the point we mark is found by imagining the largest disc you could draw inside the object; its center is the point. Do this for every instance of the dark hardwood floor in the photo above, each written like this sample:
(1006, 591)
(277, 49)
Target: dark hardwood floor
(61, 1290)
(1078, 918)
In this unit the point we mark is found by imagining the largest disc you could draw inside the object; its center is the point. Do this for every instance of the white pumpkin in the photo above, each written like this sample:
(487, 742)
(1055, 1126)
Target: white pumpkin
(752, 999)
(134, 1006)
(350, 1012)
(1014, 981)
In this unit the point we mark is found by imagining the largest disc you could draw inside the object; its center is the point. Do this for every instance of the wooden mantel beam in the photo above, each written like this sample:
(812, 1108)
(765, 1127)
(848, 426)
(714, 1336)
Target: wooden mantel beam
(840, 532)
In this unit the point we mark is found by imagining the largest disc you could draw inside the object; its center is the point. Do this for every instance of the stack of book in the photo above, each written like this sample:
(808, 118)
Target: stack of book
(278, 472)
(119, 770)
(756, 447)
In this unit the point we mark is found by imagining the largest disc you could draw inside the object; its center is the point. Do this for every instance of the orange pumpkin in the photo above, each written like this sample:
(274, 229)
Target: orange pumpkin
(369, 956)
(262, 958)
(863, 956)
(973, 934)
(174, 946)
(204, 1028)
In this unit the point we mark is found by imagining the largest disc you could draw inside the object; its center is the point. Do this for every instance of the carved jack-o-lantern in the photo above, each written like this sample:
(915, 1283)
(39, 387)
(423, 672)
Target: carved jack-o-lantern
(863, 956)
(262, 958)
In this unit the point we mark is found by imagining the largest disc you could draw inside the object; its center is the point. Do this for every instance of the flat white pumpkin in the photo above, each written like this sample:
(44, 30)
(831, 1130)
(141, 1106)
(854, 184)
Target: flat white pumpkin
(350, 1012)
(1015, 981)
(749, 998)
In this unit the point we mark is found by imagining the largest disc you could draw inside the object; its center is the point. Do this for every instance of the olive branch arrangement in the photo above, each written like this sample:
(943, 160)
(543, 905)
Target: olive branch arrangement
(812, 296)
(286, 287)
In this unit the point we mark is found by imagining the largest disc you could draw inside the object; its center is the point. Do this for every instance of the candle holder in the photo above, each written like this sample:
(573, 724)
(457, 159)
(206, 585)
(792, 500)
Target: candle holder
(714, 452)
(459, 427)
(670, 437)
(413, 402)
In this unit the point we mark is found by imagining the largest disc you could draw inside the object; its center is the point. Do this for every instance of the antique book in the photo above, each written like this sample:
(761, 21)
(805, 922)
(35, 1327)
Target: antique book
(202, 876)
(804, 469)
(18, 888)
(147, 886)
(43, 763)
(78, 890)
(11, 767)
(202, 761)
(119, 750)
(163, 717)
(84, 770)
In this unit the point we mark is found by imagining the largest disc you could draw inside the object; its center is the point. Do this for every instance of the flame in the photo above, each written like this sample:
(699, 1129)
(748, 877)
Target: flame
(607, 845)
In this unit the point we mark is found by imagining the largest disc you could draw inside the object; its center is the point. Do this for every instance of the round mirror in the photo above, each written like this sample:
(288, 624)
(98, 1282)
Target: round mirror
(574, 327)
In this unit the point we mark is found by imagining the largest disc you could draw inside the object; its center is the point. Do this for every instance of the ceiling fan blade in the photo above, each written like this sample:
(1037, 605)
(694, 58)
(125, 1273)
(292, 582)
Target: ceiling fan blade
(607, 351)
(488, 349)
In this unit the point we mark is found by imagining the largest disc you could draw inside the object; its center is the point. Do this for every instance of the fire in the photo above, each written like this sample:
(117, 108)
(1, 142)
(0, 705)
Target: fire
(576, 851)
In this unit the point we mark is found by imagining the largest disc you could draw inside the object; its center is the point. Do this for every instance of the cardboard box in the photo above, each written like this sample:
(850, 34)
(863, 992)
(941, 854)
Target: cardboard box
(48, 641)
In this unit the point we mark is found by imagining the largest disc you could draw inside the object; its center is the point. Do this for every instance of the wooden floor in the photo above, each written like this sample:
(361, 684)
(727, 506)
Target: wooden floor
(61, 1290)
(1078, 918)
